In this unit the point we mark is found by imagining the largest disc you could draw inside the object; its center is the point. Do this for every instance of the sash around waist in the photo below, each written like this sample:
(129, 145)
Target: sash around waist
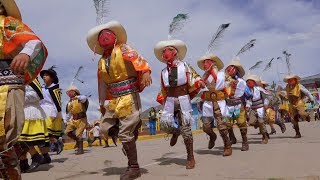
(123, 87)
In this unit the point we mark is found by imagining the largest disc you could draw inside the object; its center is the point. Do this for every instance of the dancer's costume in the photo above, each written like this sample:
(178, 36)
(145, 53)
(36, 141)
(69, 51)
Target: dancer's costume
(119, 82)
(236, 101)
(272, 111)
(178, 87)
(34, 131)
(214, 94)
(257, 104)
(238, 92)
(296, 95)
(284, 106)
(16, 38)
(214, 104)
(51, 104)
(77, 117)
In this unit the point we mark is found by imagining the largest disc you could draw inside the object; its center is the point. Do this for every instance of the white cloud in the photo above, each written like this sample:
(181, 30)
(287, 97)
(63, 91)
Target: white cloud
(277, 25)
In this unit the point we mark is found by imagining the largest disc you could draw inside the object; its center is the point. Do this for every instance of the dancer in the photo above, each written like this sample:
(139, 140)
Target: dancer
(179, 84)
(296, 93)
(214, 105)
(237, 94)
(51, 104)
(22, 56)
(76, 110)
(122, 75)
(257, 105)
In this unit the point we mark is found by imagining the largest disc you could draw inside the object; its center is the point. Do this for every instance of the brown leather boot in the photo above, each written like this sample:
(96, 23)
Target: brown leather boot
(80, 147)
(282, 126)
(36, 162)
(265, 138)
(213, 137)
(233, 138)
(133, 169)
(175, 136)
(227, 143)
(297, 129)
(265, 135)
(11, 165)
(190, 158)
(245, 145)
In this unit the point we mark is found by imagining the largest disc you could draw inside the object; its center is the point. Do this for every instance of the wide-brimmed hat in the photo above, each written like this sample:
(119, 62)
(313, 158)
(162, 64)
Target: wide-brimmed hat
(254, 78)
(52, 73)
(73, 88)
(291, 76)
(114, 26)
(236, 62)
(212, 57)
(11, 8)
(178, 44)
(264, 82)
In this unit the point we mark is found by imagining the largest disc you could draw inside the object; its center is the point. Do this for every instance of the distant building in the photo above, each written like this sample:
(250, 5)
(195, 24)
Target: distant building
(312, 83)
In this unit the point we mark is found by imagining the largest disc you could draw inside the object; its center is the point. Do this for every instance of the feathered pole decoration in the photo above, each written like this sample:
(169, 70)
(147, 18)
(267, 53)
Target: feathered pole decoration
(287, 56)
(102, 10)
(247, 47)
(217, 36)
(177, 24)
(76, 77)
(268, 66)
(255, 66)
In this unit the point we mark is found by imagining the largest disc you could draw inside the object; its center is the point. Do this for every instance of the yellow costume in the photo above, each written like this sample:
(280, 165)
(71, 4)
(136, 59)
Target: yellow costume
(34, 131)
(296, 93)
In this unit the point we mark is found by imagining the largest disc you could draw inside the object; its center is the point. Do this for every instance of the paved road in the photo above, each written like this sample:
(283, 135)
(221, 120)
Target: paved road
(283, 158)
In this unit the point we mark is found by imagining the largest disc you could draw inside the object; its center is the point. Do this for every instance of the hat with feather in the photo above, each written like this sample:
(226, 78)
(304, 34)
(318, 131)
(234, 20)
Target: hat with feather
(236, 60)
(176, 25)
(102, 11)
(212, 45)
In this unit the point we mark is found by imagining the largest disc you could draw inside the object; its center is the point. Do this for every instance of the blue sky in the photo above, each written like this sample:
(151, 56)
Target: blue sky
(293, 25)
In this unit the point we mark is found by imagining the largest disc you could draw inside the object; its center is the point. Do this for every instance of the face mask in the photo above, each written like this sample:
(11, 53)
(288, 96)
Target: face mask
(251, 83)
(106, 39)
(169, 54)
(231, 71)
(207, 64)
(292, 82)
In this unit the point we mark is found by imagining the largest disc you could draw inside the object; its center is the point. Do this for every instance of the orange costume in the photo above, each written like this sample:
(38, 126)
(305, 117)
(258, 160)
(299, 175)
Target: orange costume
(16, 38)
(121, 77)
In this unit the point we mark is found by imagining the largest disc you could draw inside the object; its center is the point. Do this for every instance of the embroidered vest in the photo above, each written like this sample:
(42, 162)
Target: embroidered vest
(55, 93)
(175, 76)
(76, 107)
(36, 86)
(115, 69)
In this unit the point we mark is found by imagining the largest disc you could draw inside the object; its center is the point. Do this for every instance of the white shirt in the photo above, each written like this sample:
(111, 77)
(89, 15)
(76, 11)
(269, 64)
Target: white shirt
(31, 48)
(240, 89)
(96, 131)
(47, 102)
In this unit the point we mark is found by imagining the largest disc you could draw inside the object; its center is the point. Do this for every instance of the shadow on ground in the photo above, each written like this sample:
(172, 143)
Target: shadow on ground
(168, 161)
(273, 137)
(60, 160)
(79, 174)
(119, 170)
(44, 167)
